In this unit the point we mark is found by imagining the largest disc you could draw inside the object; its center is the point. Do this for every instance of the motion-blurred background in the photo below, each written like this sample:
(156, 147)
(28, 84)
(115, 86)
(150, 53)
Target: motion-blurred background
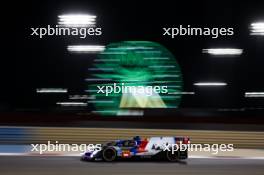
(44, 93)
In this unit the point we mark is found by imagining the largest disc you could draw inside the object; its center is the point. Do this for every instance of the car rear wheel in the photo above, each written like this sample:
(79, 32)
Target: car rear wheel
(172, 156)
(109, 154)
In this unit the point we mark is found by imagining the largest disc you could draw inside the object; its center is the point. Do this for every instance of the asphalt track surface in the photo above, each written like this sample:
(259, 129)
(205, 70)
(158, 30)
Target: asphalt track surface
(37, 165)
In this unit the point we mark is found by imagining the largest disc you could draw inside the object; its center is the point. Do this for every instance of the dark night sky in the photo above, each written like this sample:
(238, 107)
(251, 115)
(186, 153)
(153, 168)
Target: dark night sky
(29, 62)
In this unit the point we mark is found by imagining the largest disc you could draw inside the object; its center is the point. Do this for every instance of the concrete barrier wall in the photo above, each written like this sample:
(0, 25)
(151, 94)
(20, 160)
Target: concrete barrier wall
(27, 135)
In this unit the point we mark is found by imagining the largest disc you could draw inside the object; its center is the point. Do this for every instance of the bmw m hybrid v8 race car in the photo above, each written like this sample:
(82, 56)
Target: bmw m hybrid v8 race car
(158, 148)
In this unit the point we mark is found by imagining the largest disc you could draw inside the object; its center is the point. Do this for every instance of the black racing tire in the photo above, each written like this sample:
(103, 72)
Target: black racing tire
(109, 154)
(172, 157)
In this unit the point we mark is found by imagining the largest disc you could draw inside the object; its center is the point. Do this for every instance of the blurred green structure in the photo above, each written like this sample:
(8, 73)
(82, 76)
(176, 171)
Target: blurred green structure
(137, 64)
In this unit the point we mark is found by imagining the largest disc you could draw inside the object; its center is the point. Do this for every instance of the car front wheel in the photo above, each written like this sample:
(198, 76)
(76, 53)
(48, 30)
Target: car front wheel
(109, 154)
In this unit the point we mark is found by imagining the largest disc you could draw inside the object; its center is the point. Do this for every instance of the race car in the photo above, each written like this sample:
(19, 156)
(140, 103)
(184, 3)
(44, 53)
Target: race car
(159, 148)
